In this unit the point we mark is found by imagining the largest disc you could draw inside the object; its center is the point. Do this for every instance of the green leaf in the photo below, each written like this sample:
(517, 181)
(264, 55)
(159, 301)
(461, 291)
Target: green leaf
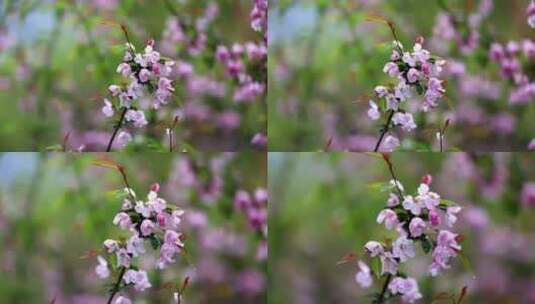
(154, 242)
(376, 267)
(426, 245)
(447, 202)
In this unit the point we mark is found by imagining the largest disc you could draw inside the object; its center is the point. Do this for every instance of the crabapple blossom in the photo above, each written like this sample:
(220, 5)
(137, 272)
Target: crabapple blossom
(364, 277)
(254, 206)
(527, 197)
(531, 14)
(374, 248)
(405, 120)
(373, 112)
(393, 200)
(122, 300)
(102, 269)
(407, 287)
(148, 75)
(138, 278)
(259, 15)
(451, 213)
(403, 249)
(390, 143)
(389, 217)
(154, 221)
(416, 72)
(389, 263)
(414, 206)
(417, 227)
(416, 220)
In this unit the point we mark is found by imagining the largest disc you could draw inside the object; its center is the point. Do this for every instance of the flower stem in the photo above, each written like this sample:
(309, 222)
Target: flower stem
(384, 131)
(381, 298)
(393, 174)
(117, 127)
(117, 285)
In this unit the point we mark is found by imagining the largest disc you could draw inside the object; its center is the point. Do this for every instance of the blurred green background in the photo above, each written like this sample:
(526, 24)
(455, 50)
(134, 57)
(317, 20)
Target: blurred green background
(56, 209)
(324, 206)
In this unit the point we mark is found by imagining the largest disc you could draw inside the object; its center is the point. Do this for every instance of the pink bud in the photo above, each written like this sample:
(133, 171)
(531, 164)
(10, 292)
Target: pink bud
(420, 40)
(150, 42)
(162, 219)
(155, 187)
(434, 218)
(427, 179)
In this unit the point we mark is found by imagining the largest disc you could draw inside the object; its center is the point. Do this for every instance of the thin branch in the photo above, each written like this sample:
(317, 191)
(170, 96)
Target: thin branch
(390, 166)
(385, 130)
(117, 285)
(385, 288)
(117, 127)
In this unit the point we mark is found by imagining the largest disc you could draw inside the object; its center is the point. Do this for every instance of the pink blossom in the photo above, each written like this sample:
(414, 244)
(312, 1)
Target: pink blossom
(414, 206)
(144, 75)
(389, 264)
(123, 258)
(434, 218)
(122, 220)
(147, 227)
(364, 277)
(122, 300)
(123, 138)
(390, 143)
(374, 112)
(417, 227)
(391, 69)
(527, 197)
(111, 245)
(124, 69)
(393, 200)
(374, 248)
(389, 217)
(107, 110)
(451, 215)
(531, 14)
(135, 246)
(408, 288)
(102, 269)
(405, 120)
(138, 278)
(403, 248)
(413, 75)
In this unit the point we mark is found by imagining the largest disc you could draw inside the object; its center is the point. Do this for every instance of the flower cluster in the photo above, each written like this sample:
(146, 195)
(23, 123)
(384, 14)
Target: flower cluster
(415, 72)
(510, 61)
(154, 221)
(233, 60)
(193, 36)
(531, 14)
(149, 76)
(463, 29)
(259, 15)
(423, 218)
(255, 207)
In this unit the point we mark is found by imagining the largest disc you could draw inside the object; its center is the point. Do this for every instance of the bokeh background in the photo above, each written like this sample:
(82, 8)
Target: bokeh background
(58, 57)
(57, 209)
(325, 59)
(324, 206)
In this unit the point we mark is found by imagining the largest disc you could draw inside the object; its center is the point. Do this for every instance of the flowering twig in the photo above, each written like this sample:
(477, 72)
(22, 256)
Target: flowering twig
(153, 221)
(416, 72)
(416, 219)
